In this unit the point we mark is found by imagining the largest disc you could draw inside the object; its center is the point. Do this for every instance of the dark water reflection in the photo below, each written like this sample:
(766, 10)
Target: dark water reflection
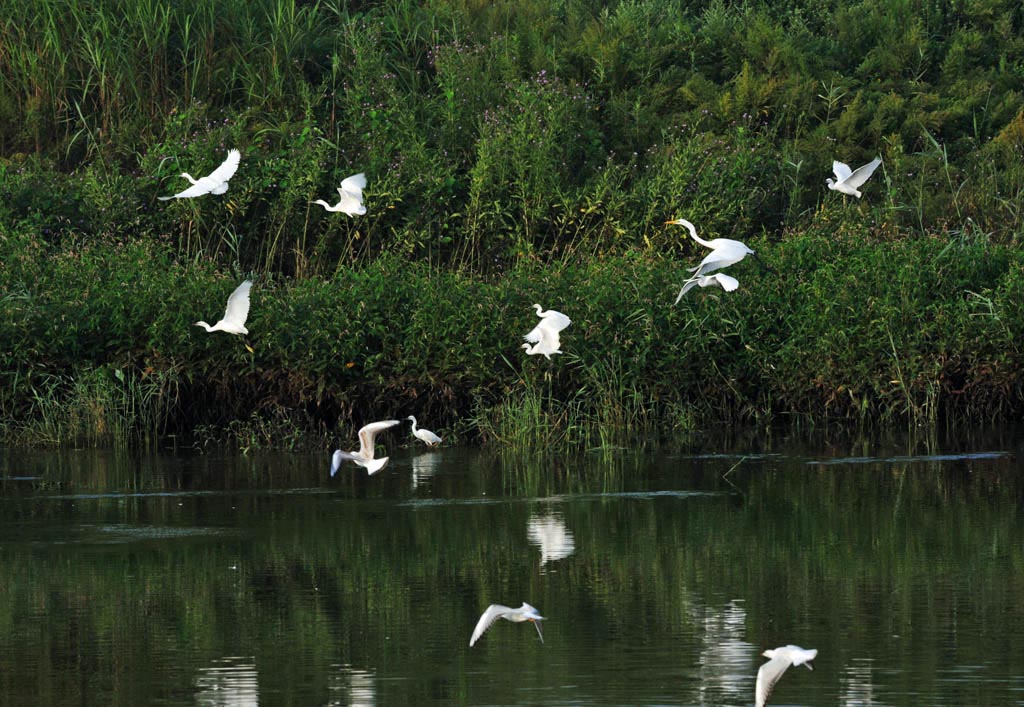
(183, 579)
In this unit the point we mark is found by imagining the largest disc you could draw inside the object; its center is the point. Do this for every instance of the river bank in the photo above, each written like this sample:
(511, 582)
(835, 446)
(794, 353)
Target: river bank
(100, 343)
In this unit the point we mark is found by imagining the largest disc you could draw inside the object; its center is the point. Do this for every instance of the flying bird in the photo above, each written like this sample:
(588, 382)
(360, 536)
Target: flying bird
(497, 611)
(780, 659)
(847, 181)
(719, 279)
(545, 336)
(351, 196)
(216, 182)
(724, 252)
(236, 313)
(425, 436)
(364, 457)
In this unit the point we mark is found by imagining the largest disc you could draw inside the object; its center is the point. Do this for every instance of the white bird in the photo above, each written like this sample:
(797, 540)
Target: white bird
(216, 182)
(720, 279)
(235, 314)
(780, 660)
(364, 457)
(724, 252)
(848, 181)
(351, 193)
(426, 436)
(544, 336)
(497, 611)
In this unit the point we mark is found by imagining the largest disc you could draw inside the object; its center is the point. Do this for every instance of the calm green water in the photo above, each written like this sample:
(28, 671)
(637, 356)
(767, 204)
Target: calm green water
(185, 579)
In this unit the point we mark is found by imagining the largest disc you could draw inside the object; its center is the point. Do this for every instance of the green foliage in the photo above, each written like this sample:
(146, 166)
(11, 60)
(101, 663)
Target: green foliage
(861, 327)
(506, 145)
(486, 130)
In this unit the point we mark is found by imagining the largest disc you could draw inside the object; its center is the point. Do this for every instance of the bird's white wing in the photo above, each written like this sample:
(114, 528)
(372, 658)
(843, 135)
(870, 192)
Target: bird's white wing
(349, 204)
(354, 184)
(861, 174)
(238, 304)
(337, 458)
(800, 656)
(227, 168)
(767, 675)
(727, 282)
(534, 335)
(556, 321)
(841, 170)
(549, 341)
(368, 432)
(201, 187)
(351, 195)
(493, 612)
(687, 286)
(717, 259)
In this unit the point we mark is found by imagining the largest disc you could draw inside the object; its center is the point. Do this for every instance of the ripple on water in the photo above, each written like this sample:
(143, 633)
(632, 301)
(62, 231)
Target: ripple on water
(918, 459)
(559, 498)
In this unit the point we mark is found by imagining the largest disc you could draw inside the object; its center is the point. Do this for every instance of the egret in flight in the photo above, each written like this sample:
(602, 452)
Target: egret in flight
(545, 336)
(724, 252)
(425, 436)
(719, 279)
(364, 457)
(216, 182)
(497, 611)
(236, 313)
(847, 181)
(780, 660)
(351, 196)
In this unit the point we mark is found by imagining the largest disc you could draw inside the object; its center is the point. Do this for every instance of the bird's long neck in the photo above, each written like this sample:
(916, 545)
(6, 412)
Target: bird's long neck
(325, 205)
(190, 178)
(204, 325)
(413, 423)
(539, 312)
(693, 234)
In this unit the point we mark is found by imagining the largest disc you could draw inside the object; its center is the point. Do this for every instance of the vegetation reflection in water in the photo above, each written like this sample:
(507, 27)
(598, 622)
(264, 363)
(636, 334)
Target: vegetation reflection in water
(186, 580)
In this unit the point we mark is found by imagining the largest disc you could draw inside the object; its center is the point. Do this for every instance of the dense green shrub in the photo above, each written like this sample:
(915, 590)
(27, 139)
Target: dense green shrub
(845, 327)
(515, 152)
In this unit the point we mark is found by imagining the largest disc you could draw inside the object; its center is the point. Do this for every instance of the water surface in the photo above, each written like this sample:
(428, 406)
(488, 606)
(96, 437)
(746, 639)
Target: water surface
(181, 578)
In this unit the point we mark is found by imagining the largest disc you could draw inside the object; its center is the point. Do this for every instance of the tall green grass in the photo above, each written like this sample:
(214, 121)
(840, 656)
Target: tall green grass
(506, 133)
(94, 407)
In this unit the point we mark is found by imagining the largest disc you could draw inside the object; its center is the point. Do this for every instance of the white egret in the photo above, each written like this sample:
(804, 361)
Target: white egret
(719, 279)
(545, 336)
(724, 252)
(848, 181)
(216, 182)
(351, 196)
(780, 660)
(425, 436)
(364, 457)
(236, 313)
(497, 611)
